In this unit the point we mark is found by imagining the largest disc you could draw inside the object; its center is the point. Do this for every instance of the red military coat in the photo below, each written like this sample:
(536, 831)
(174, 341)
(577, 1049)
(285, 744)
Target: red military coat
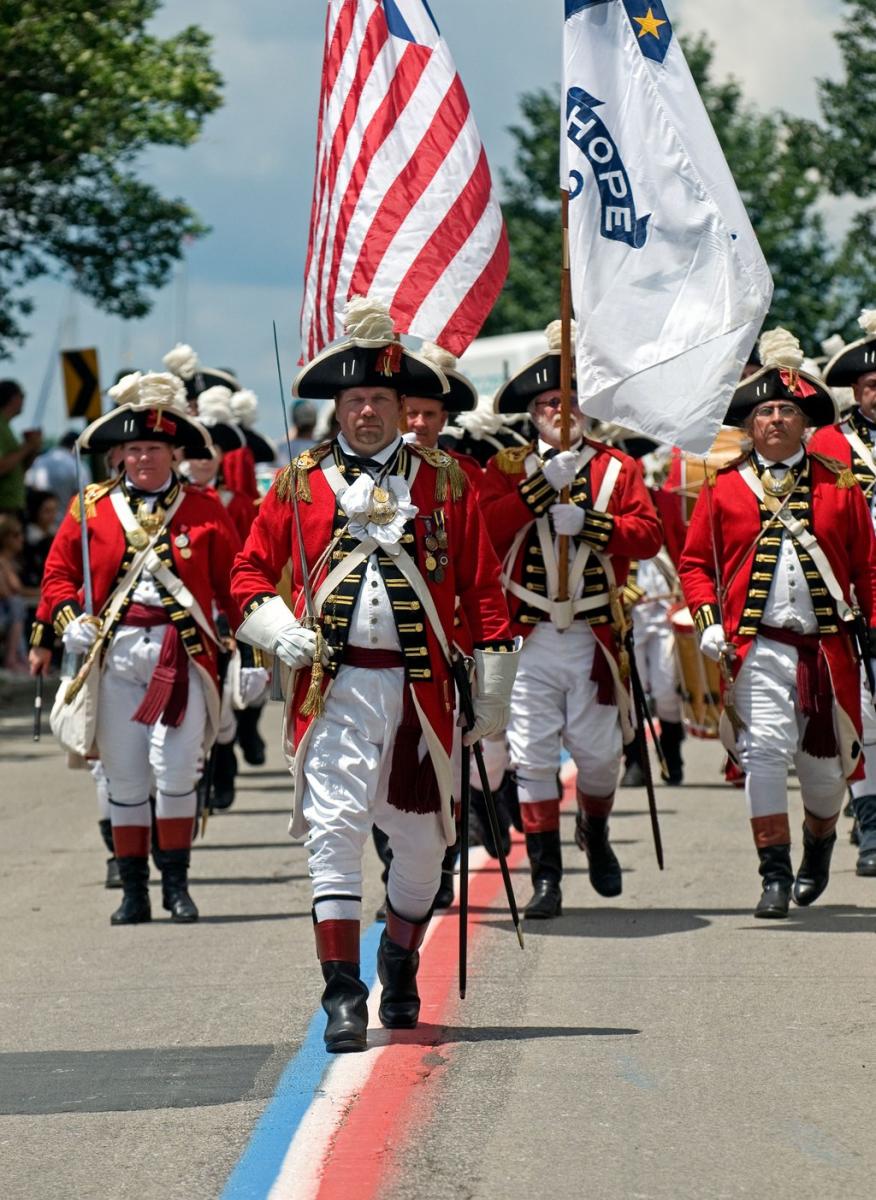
(210, 539)
(632, 531)
(727, 530)
(472, 574)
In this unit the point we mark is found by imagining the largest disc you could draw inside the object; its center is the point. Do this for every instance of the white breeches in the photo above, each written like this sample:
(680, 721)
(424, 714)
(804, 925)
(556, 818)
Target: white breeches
(867, 785)
(135, 755)
(655, 658)
(766, 697)
(102, 788)
(553, 705)
(346, 778)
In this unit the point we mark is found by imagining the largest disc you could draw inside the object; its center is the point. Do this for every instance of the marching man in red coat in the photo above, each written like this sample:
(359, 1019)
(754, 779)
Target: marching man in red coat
(389, 537)
(570, 690)
(791, 536)
(853, 442)
(160, 556)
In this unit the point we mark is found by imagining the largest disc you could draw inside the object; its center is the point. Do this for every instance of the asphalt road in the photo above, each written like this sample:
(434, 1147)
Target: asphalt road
(662, 1045)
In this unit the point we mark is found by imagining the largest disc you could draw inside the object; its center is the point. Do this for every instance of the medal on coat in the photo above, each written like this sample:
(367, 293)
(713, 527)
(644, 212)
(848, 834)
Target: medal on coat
(181, 541)
(383, 507)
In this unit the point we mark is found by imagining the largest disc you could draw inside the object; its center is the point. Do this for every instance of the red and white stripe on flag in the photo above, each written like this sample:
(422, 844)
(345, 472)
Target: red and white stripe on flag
(403, 208)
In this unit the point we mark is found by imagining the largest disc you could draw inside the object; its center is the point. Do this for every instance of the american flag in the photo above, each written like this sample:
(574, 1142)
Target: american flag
(403, 205)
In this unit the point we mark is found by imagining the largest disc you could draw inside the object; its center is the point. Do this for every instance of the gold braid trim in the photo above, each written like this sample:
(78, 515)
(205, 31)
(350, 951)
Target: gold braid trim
(511, 460)
(298, 471)
(93, 493)
(314, 704)
(844, 476)
(449, 472)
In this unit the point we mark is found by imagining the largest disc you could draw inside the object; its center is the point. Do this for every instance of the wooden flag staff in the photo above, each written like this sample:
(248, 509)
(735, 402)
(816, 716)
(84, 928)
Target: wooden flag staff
(565, 386)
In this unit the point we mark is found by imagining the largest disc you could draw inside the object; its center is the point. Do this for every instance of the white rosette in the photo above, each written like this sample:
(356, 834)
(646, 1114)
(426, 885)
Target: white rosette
(362, 507)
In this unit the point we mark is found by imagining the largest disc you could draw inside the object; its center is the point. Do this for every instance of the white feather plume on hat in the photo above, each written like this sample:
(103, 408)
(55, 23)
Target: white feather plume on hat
(438, 356)
(160, 389)
(554, 334)
(214, 406)
(779, 348)
(867, 321)
(244, 407)
(833, 344)
(127, 389)
(181, 361)
(368, 321)
(480, 421)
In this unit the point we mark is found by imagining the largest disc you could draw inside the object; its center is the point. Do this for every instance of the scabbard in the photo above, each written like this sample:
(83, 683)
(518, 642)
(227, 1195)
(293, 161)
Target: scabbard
(643, 720)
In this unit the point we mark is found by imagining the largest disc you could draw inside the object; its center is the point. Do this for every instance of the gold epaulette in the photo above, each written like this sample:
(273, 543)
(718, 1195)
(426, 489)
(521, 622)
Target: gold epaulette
(511, 459)
(844, 476)
(298, 470)
(449, 472)
(93, 493)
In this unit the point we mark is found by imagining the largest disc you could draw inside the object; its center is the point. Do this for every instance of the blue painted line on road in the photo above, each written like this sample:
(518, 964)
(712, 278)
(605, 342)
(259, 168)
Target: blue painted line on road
(259, 1165)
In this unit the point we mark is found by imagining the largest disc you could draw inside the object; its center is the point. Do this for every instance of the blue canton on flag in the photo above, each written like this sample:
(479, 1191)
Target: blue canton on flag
(652, 27)
(411, 21)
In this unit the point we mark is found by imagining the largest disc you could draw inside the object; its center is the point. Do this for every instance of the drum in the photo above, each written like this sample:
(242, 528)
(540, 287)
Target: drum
(700, 678)
(690, 470)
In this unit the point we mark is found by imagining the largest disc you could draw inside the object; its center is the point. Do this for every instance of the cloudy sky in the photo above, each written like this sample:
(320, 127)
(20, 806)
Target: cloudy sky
(250, 175)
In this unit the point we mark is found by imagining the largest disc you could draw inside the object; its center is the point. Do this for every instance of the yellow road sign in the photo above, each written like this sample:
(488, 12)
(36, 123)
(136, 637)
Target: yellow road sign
(81, 383)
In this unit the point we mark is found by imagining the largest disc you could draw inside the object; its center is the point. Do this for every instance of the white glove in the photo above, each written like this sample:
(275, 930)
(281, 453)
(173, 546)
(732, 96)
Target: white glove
(561, 470)
(253, 681)
(713, 642)
(494, 672)
(273, 628)
(568, 519)
(80, 635)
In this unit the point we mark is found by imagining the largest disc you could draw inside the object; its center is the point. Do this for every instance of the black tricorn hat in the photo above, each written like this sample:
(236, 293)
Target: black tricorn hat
(371, 356)
(214, 413)
(542, 374)
(856, 359)
(462, 395)
(149, 408)
(781, 383)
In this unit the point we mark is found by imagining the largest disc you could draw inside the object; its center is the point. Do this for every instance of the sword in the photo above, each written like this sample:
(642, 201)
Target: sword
(466, 706)
(38, 708)
(465, 811)
(643, 717)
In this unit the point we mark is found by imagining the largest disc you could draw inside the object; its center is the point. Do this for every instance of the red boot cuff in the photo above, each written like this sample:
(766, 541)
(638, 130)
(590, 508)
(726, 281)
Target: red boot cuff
(337, 941)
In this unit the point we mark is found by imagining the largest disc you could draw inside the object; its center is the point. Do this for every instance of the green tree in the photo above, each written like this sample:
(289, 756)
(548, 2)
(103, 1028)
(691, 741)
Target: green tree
(776, 160)
(847, 144)
(85, 90)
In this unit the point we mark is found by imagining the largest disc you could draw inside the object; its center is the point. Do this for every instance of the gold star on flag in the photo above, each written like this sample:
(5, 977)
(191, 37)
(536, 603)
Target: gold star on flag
(649, 24)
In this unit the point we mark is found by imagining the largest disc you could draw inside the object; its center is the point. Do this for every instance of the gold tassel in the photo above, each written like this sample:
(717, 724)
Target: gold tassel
(511, 460)
(93, 493)
(314, 705)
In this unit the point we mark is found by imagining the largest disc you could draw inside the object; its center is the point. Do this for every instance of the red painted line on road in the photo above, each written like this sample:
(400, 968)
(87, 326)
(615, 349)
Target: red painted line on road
(398, 1097)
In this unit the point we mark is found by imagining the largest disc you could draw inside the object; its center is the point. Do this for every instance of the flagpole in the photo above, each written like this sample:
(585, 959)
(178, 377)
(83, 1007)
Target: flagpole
(565, 385)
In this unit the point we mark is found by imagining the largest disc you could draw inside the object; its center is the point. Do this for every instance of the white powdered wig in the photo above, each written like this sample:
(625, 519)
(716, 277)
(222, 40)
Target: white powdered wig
(181, 361)
(867, 321)
(127, 390)
(214, 406)
(158, 389)
(554, 335)
(833, 344)
(368, 322)
(481, 421)
(244, 407)
(779, 348)
(438, 356)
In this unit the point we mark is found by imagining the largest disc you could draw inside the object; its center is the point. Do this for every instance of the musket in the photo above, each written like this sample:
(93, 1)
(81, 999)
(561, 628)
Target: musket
(310, 621)
(466, 708)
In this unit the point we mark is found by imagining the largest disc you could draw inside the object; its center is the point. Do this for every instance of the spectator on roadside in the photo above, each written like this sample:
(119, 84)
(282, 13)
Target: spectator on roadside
(15, 456)
(12, 604)
(43, 513)
(55, 471)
